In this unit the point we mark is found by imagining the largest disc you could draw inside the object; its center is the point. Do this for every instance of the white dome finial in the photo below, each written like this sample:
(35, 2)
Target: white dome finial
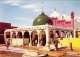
(64, 17)
(55, 14)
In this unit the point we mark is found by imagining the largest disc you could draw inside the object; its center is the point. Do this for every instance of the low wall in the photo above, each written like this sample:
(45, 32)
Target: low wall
(66, 42)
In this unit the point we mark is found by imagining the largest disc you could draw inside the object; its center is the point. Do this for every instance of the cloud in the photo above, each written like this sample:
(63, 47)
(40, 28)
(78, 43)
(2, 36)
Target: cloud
(37, 10)
(13, 2)
(29, 6)
(34, 7)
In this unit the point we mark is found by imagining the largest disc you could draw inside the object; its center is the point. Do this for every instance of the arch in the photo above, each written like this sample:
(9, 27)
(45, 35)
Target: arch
(56, 34)
(7, 34)
(34, 38)
(42, 39)
(62, 34)
(13, 34)
(26, 34)
(51, 36)
(26, 38)
(19, 34)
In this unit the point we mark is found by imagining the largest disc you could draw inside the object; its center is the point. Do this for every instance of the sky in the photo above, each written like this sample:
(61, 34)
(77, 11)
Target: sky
(22, 12)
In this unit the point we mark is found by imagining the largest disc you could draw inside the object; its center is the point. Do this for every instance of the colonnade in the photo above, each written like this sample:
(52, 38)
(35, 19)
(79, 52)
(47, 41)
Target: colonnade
(8, 34)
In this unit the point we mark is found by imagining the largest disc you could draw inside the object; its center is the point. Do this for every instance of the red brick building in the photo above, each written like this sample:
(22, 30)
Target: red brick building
(3, 27)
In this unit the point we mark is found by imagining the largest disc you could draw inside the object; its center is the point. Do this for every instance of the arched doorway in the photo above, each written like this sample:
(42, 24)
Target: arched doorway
(7, 34)
(19, 34)
(56, 34)
(34, 38)
(13, 34)
(26, 38)
(42, 39)
(51, 36)
(62, 34)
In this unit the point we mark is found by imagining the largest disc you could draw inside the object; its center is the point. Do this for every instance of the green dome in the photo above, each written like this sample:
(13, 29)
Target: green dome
(42, 19)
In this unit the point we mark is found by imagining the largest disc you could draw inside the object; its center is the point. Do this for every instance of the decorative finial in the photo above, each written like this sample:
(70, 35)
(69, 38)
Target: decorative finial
(42, 8)
(72, 14)
(54, 9)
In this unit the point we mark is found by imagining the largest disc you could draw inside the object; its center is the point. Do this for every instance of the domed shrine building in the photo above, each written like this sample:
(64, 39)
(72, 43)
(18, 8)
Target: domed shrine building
(62, 25)
(44, 30)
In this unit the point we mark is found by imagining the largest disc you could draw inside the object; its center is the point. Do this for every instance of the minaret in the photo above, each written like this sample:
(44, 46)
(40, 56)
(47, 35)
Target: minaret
(72, 17)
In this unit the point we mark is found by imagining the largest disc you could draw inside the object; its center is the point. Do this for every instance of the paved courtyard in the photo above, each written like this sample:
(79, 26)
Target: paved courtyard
(18, 52)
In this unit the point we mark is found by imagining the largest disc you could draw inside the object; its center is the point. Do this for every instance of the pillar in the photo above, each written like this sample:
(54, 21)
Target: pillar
(70, 35)
(38, 32)
(74, 33)
(5, 39)
(10, 34)
(16, 34)
(30, 44)
(10, 38)
(22, 34)
(47, 37)
(66, 34)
